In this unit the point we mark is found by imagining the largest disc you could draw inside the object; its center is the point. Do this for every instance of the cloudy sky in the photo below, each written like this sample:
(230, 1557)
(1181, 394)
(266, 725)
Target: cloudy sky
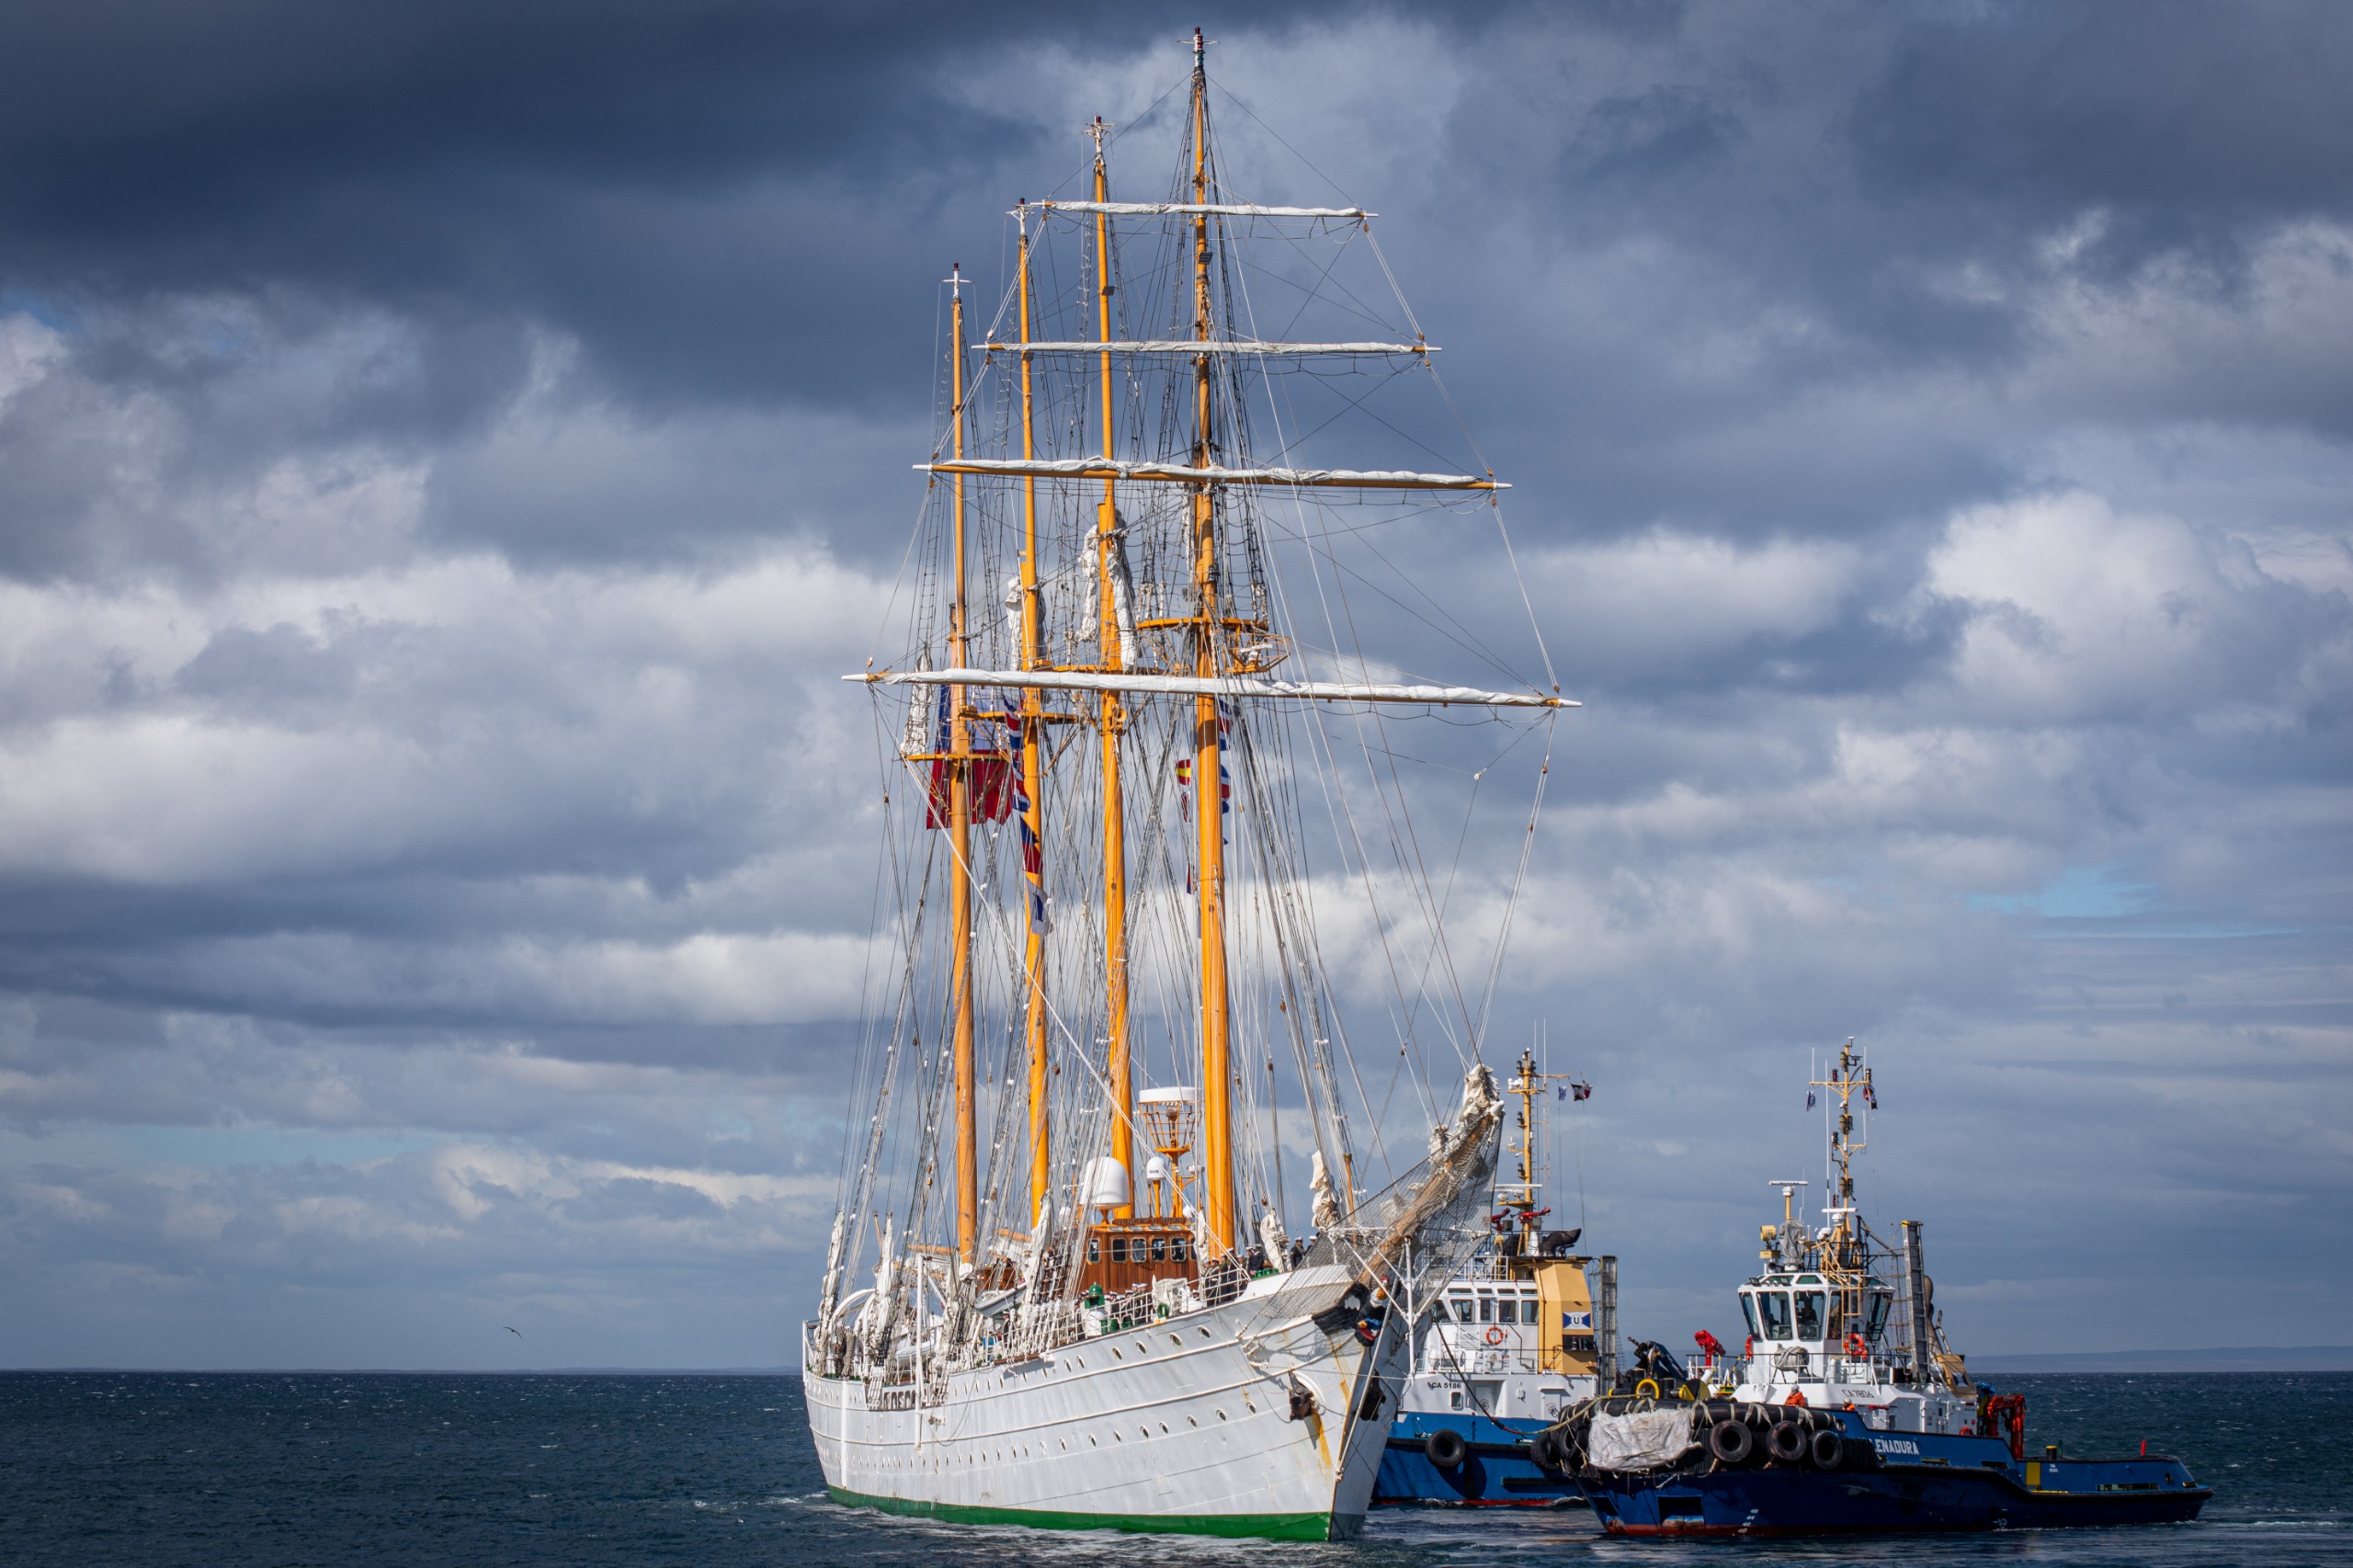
(447, 452)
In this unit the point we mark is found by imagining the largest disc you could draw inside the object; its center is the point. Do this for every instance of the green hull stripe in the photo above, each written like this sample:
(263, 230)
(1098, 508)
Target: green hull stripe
(1274, 1526)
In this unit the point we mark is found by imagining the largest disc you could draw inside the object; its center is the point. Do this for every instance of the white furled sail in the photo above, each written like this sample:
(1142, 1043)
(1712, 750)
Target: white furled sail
(1199, 209)
(1179, 473)
(1238, 686)
(1189, 346)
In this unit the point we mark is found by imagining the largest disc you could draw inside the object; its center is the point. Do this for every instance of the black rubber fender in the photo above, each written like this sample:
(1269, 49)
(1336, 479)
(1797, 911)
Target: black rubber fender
(1446, 1449)
(1827, 1450)
(1786, 1443)
(1732, 1443)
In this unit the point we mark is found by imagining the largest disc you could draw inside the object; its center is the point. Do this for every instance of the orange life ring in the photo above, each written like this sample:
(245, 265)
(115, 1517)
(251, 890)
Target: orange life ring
(1496, 1335)
(1856, 1349)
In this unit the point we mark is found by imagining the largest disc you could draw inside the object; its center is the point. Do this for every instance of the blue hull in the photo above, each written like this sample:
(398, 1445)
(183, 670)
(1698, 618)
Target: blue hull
(1498, 1472)
(1920, 1483)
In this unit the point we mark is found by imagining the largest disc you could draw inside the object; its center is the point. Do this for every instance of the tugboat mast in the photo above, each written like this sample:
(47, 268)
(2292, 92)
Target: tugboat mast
(1849, 1077)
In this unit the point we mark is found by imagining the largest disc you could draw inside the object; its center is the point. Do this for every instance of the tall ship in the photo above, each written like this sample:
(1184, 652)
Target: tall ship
(1124, 1216)
(1848, 1411)
(1525, 1334)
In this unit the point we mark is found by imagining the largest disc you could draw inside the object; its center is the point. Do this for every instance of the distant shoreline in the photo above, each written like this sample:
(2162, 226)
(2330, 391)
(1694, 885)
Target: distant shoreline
(2211, 1359)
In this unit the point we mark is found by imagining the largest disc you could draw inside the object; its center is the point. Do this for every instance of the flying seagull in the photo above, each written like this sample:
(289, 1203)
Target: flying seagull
(513, 1330)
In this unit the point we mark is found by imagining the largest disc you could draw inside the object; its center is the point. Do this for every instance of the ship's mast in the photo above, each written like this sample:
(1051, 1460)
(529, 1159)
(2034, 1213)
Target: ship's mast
(1209, 776)
(1033, 794)
(1108, 612)
(1847, 1079)
(959, 823)
(1528, 1085)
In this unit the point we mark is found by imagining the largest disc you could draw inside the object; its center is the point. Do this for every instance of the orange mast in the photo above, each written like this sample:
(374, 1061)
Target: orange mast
(1115, 847)
(960, 827)
(1209, 777)
(1032, 733)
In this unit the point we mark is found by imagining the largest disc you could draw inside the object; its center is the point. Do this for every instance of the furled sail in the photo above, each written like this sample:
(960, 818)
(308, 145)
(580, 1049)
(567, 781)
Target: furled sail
(1200, 209)
(1181, 473)
(1193, 345)
(1218, 686)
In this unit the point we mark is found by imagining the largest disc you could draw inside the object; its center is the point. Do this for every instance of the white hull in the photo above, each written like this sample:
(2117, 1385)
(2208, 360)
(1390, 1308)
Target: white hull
(1185, 1424)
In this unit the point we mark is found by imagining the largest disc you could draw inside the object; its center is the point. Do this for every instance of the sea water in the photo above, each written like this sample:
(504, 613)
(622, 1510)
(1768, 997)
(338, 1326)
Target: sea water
(331, 1468)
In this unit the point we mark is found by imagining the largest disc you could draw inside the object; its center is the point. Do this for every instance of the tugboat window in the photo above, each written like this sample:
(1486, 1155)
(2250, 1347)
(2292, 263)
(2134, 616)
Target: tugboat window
(1809, 1314)
(1775, 1307)
(1506, 1311)
(1879, 1305)
(1486, 1309)
(1748, 1311)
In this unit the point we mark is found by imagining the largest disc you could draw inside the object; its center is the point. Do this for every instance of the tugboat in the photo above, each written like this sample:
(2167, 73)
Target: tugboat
(1847, 1412)
(1518, 1339)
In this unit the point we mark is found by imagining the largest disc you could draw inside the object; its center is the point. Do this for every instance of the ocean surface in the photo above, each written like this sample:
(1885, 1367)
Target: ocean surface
(148, 1467)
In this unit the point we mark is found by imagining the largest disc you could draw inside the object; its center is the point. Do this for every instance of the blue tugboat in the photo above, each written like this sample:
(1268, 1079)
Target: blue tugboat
(1513, 1342)
(1847, 1412)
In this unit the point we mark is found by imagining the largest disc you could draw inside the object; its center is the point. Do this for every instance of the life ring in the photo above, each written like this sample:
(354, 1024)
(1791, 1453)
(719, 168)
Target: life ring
(1497, 1335)
(1646, 1389)
(1856, 1349)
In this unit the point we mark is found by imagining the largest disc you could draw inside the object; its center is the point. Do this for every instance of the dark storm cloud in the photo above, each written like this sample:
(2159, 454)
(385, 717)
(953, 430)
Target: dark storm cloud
(676, 185)
(2191, 115)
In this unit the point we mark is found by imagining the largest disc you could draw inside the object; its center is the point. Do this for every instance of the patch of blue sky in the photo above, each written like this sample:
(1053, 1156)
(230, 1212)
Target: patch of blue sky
(2126, 908)
(50, 314)
(2079, 893)
(205, 1147)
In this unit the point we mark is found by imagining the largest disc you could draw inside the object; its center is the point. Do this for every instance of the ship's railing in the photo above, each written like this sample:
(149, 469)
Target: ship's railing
(1129, 1309)
(1798, 1363)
